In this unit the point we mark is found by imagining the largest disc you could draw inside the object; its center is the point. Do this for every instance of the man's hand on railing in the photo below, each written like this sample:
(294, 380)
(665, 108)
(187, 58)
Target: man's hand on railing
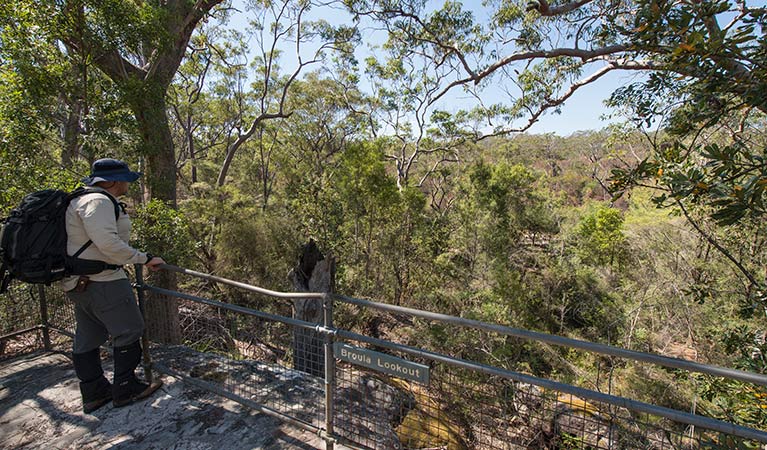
(155, 263)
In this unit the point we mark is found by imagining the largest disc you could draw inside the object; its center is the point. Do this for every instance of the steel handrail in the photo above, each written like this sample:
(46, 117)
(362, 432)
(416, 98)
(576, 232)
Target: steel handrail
(603, 349)
(234, 308)
(622, 402)
(247, 287)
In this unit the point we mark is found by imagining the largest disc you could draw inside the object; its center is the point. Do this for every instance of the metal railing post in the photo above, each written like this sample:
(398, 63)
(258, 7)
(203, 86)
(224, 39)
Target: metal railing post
(44, 317)
(146, 358)
(330, 371)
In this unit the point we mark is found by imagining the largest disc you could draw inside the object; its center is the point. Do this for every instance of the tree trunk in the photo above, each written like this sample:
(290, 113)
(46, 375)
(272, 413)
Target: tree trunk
(145, 86)
(71, 134)
(160, 181)
(314, 273)
(161, 312)
(156, 144)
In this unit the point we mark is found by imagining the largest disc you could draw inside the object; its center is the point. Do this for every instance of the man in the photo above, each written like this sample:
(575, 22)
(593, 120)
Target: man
(105, 305)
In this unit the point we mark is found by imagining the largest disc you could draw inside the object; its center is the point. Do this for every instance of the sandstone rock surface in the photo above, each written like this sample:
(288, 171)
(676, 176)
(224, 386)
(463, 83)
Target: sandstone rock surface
(40, 408)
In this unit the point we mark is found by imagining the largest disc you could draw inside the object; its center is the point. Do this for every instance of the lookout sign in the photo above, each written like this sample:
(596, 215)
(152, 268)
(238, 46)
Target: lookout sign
(381, 362)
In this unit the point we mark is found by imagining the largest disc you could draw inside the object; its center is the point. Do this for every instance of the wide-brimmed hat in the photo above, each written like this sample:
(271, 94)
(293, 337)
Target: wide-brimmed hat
(108, 169)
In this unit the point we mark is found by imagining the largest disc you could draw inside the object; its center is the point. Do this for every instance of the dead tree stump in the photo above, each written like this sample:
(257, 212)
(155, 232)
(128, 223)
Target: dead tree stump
(314, 273)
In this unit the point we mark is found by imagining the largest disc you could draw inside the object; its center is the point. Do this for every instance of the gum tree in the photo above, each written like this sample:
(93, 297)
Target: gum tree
(536, 55)
(138, 46)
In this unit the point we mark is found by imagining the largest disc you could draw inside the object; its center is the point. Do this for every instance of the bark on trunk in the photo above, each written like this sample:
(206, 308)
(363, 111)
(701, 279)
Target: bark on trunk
(161, 312)
(71, 134)
(156, 142)
(145, 89)
(314, 273)
(160, 181)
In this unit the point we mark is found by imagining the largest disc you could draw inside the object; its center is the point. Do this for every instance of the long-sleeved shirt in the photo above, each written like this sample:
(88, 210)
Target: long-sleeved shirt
(92, 217)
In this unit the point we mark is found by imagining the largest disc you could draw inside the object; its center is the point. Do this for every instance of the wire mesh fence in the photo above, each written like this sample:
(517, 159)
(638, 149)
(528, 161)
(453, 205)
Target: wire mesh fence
(20, 322)
(244, 355)
(20, 310)
(34, 317)
(60, 311)
(465, 404)
(462, 408)
(481, 395)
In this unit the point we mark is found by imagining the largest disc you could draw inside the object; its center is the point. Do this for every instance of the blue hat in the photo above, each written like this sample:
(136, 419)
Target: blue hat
(108, 169)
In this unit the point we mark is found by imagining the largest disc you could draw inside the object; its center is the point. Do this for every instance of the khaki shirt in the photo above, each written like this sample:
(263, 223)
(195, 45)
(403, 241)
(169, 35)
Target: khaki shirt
(92, 217)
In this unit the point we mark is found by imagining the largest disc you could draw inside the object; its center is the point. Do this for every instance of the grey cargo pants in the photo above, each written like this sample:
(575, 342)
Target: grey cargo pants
(106, 308)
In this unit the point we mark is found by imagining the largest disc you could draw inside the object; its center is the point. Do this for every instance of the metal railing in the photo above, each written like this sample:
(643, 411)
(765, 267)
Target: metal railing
(501, 397)
(372, 392)
(34, 317)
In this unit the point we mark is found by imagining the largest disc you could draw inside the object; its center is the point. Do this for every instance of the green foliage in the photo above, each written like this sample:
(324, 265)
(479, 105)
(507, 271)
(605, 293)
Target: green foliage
(31, 71)
(508, 206)
(728, 442)
(729, 179)
(21, 174)
(717, 185)
(363, 182)
(734, 401)
(577, 300)
(431, 213)
(127, 26)
(163, 231)
(600, 239)
(258, 248)
(742, 342)
(237, 239)
(49, 87)
(711, 66)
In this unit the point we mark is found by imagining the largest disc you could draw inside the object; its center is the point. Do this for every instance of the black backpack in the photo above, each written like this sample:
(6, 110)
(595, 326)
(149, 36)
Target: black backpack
(33, 240)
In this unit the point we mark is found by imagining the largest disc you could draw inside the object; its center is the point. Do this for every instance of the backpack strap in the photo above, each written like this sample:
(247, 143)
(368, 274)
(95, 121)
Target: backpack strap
(5, 270)
(82, 249)
(79, 192)
(5, 278)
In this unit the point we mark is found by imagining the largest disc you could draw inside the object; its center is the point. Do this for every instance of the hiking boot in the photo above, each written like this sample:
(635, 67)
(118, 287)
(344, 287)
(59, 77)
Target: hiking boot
(95, 390)
(127, 389)
(130, 391)
(95, 394)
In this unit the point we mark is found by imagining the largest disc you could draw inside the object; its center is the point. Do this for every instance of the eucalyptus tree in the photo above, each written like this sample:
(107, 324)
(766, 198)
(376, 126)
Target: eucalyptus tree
(208, 95)
(138, 46)
(420, 137)
(313, 141)
(702, 62)
(283, 28)
(539, 54)
(188, 104)
(53, 108)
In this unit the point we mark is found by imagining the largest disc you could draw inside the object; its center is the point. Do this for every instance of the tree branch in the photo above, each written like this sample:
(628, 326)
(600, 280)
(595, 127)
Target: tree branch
(584, 55)
(116, 67)
(552, 103)
(717, 246)
(543, 7)
(166, 62)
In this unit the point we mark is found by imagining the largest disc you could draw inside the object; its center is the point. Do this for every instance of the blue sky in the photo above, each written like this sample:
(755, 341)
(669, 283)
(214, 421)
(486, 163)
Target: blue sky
(582, 111)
